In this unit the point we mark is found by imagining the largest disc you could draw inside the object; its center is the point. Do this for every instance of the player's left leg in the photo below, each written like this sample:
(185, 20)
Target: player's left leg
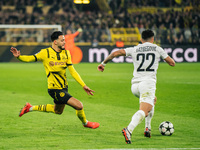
(44, 108)
(125, 131)
(58, 108)
(25, 109)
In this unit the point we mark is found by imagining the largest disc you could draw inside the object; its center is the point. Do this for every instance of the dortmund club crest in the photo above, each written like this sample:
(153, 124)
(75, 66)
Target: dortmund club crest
(62, 94)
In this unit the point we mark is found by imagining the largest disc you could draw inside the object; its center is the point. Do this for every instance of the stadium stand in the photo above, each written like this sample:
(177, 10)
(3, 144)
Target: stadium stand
(174, 21)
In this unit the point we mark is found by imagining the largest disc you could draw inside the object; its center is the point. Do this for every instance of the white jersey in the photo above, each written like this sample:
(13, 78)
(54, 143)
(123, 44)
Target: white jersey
(146, 58)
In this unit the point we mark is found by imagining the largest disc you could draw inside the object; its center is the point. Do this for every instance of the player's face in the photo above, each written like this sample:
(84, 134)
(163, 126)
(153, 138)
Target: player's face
(61, 42)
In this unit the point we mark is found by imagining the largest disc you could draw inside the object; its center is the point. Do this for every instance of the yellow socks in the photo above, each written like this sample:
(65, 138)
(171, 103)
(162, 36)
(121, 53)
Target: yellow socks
(45, 108)
(50, 108)
(81, 116)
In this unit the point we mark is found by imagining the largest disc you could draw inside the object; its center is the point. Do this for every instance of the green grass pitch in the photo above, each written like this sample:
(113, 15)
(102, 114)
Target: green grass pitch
(178, 92)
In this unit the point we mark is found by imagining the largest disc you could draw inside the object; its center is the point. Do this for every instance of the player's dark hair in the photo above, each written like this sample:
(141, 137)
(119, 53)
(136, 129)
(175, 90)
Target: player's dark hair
(147, 34)
(55, 35)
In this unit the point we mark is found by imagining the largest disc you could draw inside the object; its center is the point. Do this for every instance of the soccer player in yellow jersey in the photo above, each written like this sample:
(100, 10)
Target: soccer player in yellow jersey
(55, 60)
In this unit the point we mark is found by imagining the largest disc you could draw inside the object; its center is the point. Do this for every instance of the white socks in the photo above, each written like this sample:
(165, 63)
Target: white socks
(148, 118)
(136, 119)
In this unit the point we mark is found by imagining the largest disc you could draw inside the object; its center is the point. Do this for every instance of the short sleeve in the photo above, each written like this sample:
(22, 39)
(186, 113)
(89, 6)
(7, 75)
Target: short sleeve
(162, 53)
(129, 51)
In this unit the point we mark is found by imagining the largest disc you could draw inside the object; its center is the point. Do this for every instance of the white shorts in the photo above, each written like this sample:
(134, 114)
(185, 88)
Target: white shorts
(145, 91)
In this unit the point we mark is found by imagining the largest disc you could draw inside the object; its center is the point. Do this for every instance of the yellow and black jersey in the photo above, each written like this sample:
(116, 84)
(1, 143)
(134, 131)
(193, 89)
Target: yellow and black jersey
(55, 64)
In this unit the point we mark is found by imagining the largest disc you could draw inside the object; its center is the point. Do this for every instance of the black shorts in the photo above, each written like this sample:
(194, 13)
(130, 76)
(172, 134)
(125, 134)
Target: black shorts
(60, 96)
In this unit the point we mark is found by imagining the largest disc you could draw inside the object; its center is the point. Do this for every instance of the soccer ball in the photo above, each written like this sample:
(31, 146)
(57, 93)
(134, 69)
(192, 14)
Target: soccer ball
(166, 128)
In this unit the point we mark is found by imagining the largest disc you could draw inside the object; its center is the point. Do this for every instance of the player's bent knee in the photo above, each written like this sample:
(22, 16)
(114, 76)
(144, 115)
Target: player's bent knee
(80, 107)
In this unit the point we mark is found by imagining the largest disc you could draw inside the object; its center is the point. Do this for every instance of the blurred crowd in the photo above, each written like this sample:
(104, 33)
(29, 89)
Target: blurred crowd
(171, 26)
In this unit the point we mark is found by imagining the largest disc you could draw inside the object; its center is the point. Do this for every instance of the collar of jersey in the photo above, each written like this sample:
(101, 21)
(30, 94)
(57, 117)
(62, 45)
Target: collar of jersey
(56, 51)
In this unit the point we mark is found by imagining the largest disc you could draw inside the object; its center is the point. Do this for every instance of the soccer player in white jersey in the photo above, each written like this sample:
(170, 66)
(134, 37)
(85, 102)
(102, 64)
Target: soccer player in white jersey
(145, 57)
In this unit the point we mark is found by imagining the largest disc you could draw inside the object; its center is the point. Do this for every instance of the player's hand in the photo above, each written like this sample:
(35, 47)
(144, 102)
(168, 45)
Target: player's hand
(101, 68)
(15, 52)
(88, 90)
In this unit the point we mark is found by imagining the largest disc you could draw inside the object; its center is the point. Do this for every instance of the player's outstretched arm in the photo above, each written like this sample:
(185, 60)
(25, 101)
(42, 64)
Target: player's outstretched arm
(117, 53)
(77, 77)
(24, 58)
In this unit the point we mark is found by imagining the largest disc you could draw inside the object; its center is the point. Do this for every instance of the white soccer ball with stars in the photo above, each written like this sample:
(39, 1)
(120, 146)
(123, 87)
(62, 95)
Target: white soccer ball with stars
(166, 128)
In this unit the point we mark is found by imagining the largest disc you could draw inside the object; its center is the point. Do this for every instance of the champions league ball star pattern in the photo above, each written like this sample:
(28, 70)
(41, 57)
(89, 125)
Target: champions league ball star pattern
(166, 128)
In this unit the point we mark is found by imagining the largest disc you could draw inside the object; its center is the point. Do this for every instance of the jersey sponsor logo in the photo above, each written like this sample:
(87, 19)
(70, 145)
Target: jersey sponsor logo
(51, 63)
(60, 63)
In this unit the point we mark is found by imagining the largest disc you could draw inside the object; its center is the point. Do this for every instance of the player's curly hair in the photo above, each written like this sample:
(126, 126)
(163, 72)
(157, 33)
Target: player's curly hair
(147, 34)
(55, 35)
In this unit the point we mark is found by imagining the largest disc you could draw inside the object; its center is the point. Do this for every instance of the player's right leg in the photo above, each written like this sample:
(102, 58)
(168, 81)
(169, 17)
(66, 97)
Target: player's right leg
(78, 106)
(147, 130)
